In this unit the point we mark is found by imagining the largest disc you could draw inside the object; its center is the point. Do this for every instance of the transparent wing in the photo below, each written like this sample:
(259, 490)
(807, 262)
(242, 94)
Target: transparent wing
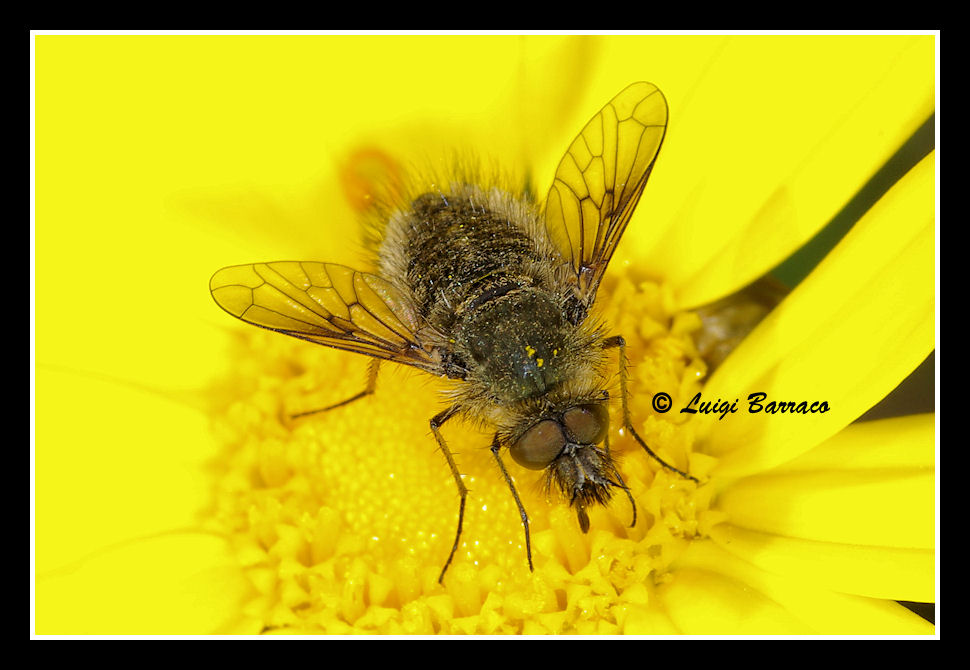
(600, 179)
(324, 303)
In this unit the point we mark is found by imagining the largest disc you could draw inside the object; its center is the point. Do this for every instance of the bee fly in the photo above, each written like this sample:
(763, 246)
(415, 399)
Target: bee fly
(481, 286)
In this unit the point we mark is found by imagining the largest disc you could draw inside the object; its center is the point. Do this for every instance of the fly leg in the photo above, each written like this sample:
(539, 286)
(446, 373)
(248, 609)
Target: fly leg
(372, 369)
(436, 422)
(496, 446)
(619, 477)
(618, 341)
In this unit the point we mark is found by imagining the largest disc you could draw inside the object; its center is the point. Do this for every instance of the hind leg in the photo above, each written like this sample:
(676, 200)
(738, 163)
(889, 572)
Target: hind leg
(372, 369)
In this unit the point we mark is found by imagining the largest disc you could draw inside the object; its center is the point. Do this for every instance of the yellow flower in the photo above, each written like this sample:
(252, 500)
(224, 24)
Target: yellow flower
(171, 498)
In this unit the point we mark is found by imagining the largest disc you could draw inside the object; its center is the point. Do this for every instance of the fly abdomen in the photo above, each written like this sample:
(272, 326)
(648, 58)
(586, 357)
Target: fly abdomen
(461, 254)
(493, 292)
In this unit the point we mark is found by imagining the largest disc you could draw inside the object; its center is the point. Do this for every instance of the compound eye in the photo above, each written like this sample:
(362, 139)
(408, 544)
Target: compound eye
(539, 445)
(587, 424)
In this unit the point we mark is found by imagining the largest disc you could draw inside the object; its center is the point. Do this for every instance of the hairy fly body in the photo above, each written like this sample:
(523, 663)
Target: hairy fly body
(484, 287)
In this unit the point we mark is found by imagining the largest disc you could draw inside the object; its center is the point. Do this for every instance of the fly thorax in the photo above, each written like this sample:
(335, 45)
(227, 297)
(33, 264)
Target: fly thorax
(514, 344)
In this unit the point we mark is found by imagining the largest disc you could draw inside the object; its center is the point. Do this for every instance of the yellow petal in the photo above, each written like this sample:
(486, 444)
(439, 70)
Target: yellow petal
(891, 572)
(119, 470)
(882, 504)
(877, 508)
(847, 335)
(775, 136)
(701, 602)
(904, 443)
(174, 584)
(855, 515)
(723, 594)
(113, 462)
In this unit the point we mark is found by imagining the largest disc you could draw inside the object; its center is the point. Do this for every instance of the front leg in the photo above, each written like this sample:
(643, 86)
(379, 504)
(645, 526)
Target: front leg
(619, 477)
(618, 341)
(436, 422)
(496, 447)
